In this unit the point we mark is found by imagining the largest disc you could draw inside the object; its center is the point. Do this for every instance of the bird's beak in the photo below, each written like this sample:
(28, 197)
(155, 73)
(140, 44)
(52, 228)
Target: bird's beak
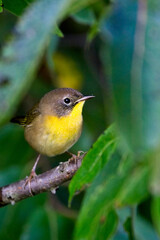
(84, 98)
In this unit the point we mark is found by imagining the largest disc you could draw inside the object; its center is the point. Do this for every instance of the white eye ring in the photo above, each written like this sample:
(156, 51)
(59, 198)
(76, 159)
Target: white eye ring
(67, 101)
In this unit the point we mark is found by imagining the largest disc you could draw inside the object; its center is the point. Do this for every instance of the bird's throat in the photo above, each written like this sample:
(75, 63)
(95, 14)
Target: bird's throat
(66, 126)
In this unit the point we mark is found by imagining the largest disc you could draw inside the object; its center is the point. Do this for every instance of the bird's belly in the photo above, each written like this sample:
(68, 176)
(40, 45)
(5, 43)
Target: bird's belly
(56, 135)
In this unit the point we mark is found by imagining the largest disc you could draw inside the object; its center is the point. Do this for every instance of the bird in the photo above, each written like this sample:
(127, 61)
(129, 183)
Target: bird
(54, 124)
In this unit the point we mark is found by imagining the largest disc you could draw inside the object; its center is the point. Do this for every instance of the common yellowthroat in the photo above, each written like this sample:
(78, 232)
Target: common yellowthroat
(53, 125)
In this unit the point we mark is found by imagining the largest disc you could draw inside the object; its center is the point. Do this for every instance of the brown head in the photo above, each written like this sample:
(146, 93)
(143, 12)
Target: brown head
(60, 102)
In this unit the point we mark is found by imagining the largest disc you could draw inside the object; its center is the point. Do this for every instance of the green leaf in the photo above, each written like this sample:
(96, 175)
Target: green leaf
(57, 31)
(16, 7)
(120, 235)
(99, 199)
(107, 225)
(103, 13)
(1, 6)
(137, 227)
(155, 176)
(21, 56)
(135, 188)
(128, 228)
(78, 5)
(94, 161)
(95, 28)
(85, 16)
(155, 211)
(135, 54)
(144, 230)
(123, 215)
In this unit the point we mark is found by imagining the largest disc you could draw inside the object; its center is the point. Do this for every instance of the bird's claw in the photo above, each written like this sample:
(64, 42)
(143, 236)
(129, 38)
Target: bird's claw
(80, 152)
(74, 156)
(28, 181)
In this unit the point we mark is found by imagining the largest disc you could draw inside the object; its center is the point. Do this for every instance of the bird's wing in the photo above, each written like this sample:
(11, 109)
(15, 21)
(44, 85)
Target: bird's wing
(30, 116)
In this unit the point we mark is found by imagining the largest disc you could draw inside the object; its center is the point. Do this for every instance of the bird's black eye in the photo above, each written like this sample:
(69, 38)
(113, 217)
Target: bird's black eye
(67, 100)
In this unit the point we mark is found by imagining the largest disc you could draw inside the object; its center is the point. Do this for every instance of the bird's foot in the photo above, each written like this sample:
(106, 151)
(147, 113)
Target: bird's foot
(32, 175)
(80, 152)
(74, 156)
(28, 181)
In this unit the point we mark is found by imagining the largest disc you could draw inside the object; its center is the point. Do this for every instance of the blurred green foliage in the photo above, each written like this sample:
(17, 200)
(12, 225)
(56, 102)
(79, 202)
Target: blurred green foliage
(106, 48)
(96, 159)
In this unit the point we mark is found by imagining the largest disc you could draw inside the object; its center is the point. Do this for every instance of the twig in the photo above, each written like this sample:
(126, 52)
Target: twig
(47, 181)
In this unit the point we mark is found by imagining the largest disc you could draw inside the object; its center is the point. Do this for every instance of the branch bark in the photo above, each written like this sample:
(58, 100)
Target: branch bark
(47, 181)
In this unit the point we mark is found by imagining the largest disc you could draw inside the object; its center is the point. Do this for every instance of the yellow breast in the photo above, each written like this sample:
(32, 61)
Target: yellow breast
(62, 132)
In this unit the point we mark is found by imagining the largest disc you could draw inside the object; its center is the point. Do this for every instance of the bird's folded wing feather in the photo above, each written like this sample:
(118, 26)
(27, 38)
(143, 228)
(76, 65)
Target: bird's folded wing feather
(30, 116)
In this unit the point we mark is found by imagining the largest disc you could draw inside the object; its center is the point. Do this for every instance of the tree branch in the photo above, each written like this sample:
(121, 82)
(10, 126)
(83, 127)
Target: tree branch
(47, 181)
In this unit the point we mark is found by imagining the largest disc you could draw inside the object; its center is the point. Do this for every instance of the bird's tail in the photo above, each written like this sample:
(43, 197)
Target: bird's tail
(19, 120)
